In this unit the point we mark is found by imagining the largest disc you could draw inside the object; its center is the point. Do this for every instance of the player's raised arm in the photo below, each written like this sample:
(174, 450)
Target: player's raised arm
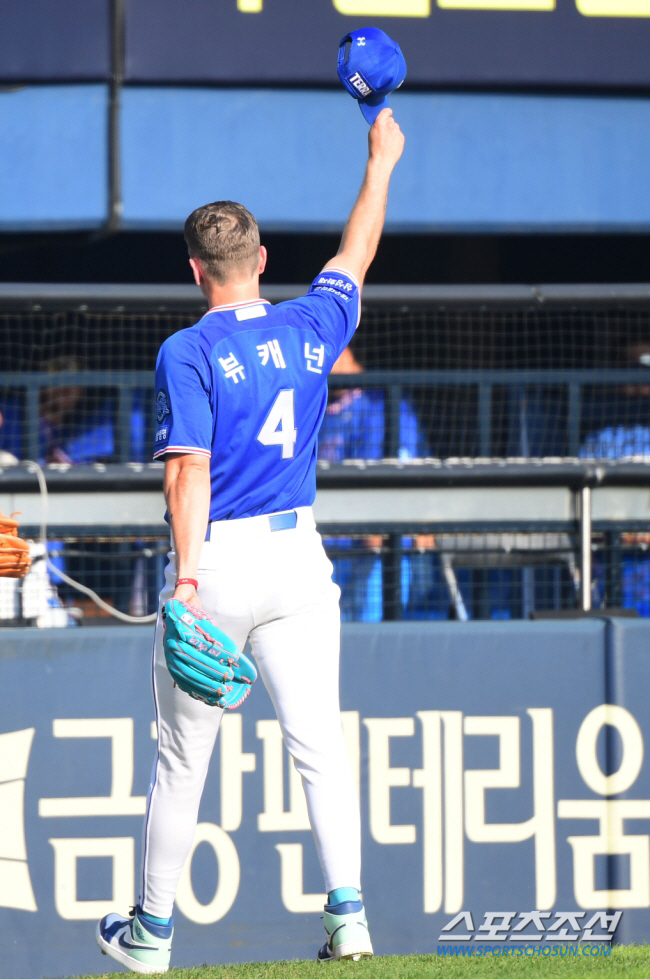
(365, 224)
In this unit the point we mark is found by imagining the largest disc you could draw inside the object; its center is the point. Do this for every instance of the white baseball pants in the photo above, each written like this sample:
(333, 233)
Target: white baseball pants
(274, 588)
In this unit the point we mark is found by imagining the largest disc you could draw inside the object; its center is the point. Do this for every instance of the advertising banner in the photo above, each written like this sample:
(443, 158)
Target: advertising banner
(492, 772)
(445, 42)
(567, 43)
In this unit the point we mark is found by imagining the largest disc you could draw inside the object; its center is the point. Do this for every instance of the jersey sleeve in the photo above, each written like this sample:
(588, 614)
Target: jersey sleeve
(183, 409)
(335, 300)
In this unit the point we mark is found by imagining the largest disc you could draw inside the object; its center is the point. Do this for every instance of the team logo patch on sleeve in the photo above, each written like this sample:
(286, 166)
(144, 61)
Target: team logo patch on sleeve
(162, 405)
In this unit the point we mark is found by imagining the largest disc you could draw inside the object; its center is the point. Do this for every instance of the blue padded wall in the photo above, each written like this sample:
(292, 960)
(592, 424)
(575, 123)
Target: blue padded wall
(471, 161)
(54, 157)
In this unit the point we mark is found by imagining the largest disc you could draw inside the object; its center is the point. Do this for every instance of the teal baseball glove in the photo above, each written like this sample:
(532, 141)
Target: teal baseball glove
(201, 658)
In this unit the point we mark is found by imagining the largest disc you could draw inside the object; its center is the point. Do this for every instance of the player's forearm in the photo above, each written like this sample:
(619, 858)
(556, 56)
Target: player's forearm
(187, 494)
(366, 222)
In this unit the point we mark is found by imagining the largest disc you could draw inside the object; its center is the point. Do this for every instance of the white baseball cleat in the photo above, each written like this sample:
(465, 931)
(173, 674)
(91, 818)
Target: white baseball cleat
(140, 946)
(347, 933)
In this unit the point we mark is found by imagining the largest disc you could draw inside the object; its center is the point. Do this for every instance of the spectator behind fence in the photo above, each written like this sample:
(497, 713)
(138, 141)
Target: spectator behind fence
(74, 425)
(56, 407)
(627, 434)
(354, 428)
(623, 428)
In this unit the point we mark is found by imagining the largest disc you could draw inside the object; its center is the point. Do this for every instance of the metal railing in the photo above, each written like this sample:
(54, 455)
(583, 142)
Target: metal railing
(395, 384)
(485, 382)
(513, 515)
(118, 327)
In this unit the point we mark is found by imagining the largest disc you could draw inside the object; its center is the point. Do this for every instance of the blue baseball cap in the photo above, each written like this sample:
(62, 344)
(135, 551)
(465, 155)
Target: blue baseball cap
(371, 66)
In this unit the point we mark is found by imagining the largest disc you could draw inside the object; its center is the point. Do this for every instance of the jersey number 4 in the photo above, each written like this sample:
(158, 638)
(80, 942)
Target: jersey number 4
(278, 429)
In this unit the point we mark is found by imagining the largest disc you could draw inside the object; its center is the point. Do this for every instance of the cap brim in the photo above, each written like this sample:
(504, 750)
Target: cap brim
(370, 112)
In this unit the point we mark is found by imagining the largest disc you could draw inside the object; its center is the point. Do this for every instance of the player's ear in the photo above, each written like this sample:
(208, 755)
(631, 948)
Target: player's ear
(197, 272)
(263, 257)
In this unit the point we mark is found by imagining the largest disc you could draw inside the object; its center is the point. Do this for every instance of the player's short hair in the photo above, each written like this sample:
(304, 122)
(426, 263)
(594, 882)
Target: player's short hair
(224, 236)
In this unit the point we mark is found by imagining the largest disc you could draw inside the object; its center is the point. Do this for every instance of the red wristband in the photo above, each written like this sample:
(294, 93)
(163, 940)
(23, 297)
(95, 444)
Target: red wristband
(187, 581)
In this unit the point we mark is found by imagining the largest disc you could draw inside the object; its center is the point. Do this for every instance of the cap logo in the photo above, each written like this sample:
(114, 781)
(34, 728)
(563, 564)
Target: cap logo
(361, 41)
(361, 86)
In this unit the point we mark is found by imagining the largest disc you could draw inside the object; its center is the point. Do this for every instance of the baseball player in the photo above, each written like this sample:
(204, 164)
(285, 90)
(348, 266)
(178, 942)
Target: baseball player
(240, 400)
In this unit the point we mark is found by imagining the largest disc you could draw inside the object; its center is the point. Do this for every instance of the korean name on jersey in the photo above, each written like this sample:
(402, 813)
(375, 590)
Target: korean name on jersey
(247, 387)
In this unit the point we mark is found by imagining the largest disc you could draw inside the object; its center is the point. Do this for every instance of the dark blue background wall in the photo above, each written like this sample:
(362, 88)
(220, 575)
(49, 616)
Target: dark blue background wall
(584, 42)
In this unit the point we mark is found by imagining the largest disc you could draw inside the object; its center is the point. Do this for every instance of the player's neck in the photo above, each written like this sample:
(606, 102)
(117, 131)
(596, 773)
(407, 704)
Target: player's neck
(232, 292)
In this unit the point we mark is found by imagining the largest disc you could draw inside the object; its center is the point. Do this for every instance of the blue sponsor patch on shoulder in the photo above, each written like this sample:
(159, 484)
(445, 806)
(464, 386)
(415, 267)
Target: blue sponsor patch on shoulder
(161, 435)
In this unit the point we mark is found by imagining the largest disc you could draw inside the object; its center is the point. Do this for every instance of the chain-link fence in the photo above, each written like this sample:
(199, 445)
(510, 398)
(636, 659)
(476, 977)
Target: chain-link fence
(435, 373)
(383, 577)
(408, 540)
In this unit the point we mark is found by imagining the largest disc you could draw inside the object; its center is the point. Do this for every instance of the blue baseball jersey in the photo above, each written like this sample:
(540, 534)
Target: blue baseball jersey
(247, 386)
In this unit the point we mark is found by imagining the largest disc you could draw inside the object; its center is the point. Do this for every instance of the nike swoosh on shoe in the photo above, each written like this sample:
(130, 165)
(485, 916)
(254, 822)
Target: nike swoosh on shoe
(146, 948)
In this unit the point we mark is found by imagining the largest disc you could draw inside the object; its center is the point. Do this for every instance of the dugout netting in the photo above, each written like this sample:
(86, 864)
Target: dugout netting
(446, 373)
(488, 373)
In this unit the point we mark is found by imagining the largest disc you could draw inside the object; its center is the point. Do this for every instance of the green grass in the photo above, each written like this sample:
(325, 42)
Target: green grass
(633, 962)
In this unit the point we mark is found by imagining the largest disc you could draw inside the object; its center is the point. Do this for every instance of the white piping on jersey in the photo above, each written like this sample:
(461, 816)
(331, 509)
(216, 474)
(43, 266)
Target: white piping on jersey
(190, 450)
(335, 268)
(243, 302)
